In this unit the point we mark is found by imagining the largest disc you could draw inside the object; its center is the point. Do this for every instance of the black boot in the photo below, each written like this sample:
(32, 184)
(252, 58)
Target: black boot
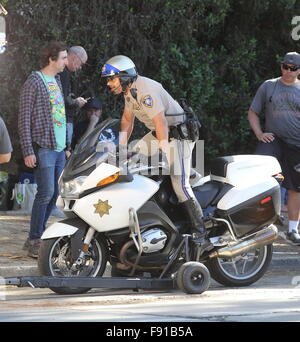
(194, 215)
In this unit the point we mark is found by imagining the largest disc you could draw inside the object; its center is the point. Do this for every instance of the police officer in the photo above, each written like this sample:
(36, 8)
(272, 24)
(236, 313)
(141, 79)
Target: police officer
(148, 101)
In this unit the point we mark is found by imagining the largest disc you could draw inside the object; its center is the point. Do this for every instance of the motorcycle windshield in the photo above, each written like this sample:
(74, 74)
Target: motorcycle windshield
(93, 149)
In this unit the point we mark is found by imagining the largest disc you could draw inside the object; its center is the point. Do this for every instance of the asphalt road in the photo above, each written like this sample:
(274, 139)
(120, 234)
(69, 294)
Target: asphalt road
(274, 298)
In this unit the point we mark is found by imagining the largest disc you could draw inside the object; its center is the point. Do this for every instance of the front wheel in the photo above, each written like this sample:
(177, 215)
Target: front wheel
(55, 260)
(242, 270)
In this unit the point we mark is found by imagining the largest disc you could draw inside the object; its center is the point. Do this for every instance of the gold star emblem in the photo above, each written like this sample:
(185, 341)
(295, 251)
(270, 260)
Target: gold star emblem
(102, 208)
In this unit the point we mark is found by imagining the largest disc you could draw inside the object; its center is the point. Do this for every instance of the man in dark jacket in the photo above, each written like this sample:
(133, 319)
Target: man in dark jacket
(77, 57)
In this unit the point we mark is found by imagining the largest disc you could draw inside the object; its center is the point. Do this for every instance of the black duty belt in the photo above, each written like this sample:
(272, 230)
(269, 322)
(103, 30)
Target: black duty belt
(173, 133)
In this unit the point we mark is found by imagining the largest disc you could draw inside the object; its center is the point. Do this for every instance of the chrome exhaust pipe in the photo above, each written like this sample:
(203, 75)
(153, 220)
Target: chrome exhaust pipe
(261, 238)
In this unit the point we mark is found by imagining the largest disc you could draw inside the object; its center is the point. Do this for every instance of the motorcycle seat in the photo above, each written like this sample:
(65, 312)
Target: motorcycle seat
(210, 193)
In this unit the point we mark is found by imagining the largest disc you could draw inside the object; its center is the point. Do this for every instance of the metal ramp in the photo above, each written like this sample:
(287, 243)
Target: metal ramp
(87, 282)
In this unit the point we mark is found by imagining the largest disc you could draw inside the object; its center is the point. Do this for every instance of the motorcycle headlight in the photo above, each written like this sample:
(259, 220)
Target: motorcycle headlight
(72, 189)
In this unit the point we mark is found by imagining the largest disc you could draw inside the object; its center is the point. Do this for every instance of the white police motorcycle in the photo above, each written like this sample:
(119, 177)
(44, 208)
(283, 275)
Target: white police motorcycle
(134, 222)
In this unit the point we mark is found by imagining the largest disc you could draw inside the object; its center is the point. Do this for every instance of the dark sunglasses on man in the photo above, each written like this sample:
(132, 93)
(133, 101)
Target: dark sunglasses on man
(291, 68)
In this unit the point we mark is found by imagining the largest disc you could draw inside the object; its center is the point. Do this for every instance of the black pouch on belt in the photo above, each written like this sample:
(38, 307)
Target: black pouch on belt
(190, 129)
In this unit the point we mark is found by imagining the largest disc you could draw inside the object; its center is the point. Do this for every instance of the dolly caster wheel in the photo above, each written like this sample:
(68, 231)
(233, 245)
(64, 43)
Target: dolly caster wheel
(193, 277)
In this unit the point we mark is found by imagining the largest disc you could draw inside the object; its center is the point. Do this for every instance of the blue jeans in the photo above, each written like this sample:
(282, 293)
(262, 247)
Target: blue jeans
(49, 167)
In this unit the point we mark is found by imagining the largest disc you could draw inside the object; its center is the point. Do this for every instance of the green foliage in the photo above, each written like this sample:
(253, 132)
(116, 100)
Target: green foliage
(213, 52)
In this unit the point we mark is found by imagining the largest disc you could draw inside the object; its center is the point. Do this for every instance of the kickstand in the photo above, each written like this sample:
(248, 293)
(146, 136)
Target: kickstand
(183, 244)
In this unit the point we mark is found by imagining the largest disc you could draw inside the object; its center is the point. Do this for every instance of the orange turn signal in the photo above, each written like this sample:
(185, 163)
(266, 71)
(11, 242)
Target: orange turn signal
(109, 179)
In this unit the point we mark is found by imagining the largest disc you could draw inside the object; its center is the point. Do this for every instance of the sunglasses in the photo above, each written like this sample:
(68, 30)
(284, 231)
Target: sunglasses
(291, 68)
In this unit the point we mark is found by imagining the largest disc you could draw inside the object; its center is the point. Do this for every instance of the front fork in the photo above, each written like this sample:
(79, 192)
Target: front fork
(84, 249)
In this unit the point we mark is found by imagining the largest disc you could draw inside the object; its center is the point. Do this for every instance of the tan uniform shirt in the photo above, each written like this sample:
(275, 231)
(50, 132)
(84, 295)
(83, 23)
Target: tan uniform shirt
(152, 99)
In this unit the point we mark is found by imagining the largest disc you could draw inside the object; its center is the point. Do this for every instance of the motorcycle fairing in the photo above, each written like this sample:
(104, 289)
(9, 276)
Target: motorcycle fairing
(150, 215)
(104, 170)
(108, 208)
(58, 229)
(65, 227)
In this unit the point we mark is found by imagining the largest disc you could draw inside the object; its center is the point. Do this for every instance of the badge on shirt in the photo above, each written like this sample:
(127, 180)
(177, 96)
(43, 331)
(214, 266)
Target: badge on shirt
(147, 101)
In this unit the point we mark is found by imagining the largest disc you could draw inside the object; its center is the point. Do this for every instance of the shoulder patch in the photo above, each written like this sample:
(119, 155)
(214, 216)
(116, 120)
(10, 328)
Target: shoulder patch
(147, 101)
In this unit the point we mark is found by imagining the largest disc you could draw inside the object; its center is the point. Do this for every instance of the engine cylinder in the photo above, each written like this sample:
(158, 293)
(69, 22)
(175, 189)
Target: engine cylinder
(154, 240)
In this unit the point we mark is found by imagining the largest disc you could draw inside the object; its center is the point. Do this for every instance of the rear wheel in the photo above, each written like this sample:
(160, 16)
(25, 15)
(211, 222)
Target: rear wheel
(55, 260)
(241, 270)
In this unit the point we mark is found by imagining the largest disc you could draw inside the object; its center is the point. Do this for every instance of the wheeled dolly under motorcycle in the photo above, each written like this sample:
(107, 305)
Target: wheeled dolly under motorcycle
(192, 277)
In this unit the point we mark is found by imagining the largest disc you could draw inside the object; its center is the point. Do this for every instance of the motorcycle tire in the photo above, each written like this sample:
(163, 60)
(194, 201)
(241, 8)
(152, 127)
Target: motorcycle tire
(263, 255)
(193, 278)
(46, 250)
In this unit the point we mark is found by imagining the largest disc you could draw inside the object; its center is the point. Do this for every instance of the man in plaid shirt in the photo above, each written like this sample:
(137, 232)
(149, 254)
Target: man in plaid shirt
(42, 131)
